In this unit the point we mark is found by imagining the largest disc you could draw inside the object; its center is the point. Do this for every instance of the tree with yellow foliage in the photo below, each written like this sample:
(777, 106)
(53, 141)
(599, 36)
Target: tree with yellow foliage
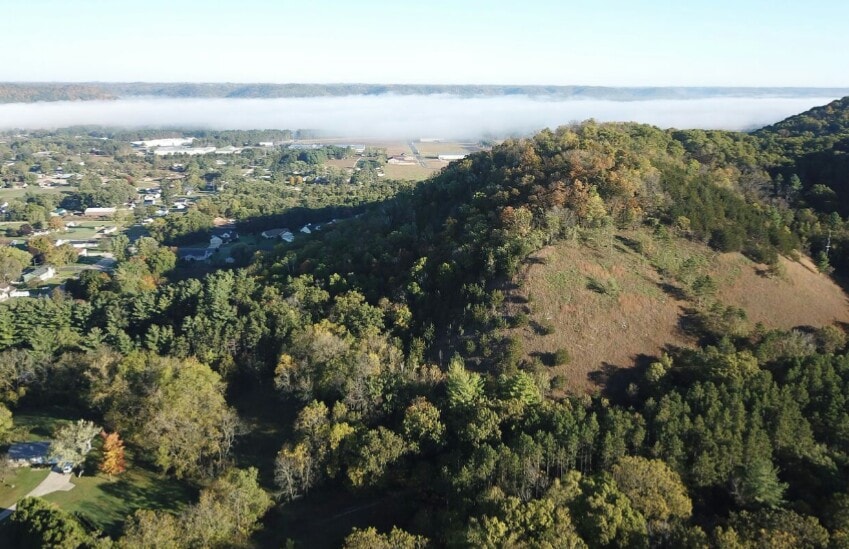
(114, 461)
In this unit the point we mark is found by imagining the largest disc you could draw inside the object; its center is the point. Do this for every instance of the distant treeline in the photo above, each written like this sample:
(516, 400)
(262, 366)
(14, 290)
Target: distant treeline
(27, 92)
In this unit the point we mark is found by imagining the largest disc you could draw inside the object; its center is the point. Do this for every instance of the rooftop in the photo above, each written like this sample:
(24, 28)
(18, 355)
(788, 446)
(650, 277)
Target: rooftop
(29, 450)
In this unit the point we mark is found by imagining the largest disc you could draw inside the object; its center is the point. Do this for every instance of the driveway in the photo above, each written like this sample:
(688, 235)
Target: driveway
(55, 482)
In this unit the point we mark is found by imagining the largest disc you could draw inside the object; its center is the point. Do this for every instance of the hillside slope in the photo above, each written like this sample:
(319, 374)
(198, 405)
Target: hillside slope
(617, 300)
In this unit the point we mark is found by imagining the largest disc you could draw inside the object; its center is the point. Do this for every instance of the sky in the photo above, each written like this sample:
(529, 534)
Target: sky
(558, 42)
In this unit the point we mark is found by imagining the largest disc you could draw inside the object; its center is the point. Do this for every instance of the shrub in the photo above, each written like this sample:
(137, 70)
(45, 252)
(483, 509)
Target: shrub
(520, 320)
(558, 383)
(561, 357)
(546, 328)
(608, 287)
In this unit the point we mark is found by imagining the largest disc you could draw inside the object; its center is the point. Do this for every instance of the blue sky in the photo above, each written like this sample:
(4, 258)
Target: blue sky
(602, 42)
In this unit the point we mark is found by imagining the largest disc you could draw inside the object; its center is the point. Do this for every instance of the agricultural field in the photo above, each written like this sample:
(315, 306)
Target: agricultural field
(413, 173)
(433, 149)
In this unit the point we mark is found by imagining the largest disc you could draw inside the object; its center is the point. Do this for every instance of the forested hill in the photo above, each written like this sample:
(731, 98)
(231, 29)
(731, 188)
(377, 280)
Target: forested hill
(14, 92)
(30, 93)
(368, 363)
(812, 150)
(828, 120)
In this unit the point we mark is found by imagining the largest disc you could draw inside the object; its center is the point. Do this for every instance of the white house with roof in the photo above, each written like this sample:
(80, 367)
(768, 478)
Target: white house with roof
(45, 272)
(9, 292)
(282, 234)
(195, 254)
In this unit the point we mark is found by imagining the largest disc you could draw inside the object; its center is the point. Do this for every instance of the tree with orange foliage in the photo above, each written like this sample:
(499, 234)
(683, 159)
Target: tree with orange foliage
(114, 462)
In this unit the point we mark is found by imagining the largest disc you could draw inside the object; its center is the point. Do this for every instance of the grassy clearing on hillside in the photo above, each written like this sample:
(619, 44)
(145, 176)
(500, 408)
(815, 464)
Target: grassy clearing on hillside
(606, 303)
(617, 300)
(801, 297)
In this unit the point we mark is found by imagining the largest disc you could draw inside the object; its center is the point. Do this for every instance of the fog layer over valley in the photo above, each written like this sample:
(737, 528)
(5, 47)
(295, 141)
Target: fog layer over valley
(403, 116)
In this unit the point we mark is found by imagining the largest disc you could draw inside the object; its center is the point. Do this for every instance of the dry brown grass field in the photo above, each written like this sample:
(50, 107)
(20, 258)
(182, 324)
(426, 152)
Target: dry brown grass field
(619, 299)
(413, 173)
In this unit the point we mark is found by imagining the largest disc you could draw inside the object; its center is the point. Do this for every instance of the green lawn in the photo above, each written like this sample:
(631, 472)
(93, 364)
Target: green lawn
(19, 483)
(6, 194)
(106, 503)
(101, 501)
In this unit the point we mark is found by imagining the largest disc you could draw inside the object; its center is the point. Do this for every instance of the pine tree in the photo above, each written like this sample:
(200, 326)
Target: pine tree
(114, 462)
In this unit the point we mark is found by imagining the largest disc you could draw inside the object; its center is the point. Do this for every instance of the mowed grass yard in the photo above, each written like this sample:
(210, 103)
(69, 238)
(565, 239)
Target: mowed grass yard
(102, 502)
(106, 503)
(7, 194)
(18, 483)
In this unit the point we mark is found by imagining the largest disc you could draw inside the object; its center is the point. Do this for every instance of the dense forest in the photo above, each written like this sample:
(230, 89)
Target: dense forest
(373, 353)
(25, 92)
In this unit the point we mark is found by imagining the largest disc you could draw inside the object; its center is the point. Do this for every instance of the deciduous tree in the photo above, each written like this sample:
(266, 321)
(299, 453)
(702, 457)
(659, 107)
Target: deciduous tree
(72, 442)
(114, 461)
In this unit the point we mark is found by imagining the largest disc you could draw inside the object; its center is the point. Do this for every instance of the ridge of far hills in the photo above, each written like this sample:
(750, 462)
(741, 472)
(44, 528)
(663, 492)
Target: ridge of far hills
(28, 92)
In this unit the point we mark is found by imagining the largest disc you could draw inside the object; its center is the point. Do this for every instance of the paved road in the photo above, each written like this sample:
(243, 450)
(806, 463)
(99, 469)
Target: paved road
(55, 482)
(417, 154)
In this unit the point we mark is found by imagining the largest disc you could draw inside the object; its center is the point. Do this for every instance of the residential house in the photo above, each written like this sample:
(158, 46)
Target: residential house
(195, 254)
(22, 454)
(9, 292)
(45, 272)
(273, 233)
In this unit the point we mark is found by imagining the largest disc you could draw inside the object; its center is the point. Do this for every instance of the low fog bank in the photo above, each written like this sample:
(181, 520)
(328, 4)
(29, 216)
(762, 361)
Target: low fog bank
(403, 116)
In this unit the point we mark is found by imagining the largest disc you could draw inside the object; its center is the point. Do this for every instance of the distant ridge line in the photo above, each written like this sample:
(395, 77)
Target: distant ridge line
(28, 92)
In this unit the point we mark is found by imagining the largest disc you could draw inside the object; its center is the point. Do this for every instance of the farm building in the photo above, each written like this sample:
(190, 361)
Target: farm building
(99, 211)
(167, 142)
(191, 151)
(450, 157)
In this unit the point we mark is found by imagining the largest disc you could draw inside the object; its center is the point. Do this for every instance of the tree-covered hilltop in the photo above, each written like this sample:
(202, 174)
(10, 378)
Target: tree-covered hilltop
(17, 92)
(808, 157)
(826, 122)
(30, 93)
(368, 362)
(811, 149)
